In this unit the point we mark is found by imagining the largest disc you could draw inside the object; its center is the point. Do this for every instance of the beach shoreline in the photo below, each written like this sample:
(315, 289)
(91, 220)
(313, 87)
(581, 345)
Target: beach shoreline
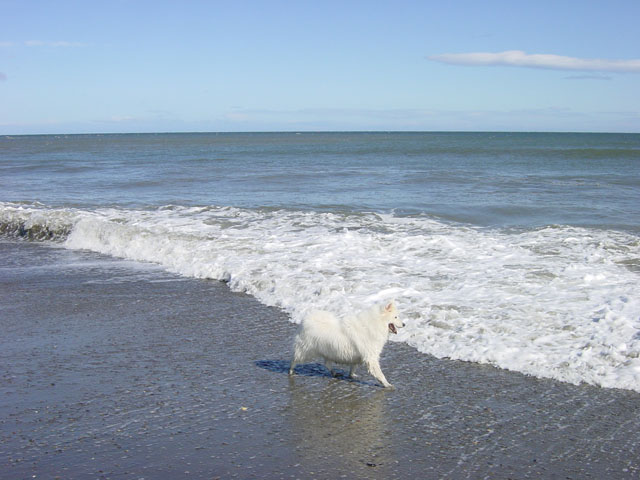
(112, 371)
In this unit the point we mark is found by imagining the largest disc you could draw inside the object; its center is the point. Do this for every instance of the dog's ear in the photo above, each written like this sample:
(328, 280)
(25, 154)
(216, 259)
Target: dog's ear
(389, 308)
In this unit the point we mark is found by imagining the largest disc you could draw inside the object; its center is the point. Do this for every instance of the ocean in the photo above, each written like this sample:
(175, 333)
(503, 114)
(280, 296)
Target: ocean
(518, 250)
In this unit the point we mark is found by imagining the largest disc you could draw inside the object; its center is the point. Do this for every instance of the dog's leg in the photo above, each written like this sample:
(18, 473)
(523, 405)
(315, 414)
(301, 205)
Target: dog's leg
(352, 371)
(300, 352)
(292, 366)
(328, 366)
(298, 357)
(374, 369)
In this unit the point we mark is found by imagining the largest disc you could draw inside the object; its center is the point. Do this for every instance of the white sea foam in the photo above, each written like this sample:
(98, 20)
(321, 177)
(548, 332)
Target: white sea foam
(557, 302)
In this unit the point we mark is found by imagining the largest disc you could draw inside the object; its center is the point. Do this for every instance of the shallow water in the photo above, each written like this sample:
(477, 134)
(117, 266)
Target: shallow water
(160, 376)
(517, 250)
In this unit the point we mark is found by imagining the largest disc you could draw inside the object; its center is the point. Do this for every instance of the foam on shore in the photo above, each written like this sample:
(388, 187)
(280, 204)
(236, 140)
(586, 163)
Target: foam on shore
(557, 302)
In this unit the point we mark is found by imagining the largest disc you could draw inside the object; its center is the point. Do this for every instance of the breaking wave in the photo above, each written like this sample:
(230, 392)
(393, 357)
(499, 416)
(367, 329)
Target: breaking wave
(556, 302)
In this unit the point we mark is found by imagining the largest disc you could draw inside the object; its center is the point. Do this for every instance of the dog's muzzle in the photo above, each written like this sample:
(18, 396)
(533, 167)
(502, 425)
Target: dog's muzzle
(392, 328)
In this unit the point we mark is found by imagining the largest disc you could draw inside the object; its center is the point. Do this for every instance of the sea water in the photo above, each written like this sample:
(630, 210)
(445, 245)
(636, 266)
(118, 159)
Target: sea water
(516, 250)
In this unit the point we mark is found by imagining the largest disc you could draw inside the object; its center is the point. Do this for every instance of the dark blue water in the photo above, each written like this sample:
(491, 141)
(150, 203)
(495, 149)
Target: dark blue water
(484, 179)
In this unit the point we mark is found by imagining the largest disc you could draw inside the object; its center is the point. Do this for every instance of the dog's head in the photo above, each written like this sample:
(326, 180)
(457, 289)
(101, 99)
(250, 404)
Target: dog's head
(390, 315)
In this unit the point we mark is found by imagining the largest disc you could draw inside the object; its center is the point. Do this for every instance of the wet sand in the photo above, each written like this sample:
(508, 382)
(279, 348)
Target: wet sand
(113, 371)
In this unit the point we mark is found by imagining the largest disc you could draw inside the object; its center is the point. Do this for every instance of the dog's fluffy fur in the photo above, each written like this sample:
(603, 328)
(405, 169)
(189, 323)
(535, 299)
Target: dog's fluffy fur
(352, 340)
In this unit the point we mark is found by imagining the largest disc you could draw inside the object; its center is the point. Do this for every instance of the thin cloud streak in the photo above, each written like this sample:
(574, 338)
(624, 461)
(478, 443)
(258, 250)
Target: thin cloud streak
(587, 77)
(518, 58)
(42, 43)
(332, 119)
(56, 44)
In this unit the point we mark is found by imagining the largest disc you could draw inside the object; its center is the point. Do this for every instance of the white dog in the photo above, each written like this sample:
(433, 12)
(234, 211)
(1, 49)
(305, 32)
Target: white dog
(351, 340)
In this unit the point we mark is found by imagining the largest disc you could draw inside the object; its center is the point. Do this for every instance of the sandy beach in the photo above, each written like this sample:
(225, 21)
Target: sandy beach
(112, 371)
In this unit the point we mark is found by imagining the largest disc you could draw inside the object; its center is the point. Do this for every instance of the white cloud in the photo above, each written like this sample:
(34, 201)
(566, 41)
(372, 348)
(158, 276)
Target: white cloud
(517, 58)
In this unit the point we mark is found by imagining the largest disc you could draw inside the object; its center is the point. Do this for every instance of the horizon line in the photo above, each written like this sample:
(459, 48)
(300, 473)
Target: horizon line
(300, 132)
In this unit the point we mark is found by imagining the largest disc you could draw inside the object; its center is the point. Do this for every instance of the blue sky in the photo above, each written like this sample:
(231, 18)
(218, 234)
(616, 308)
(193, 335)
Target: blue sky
(157, 66)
